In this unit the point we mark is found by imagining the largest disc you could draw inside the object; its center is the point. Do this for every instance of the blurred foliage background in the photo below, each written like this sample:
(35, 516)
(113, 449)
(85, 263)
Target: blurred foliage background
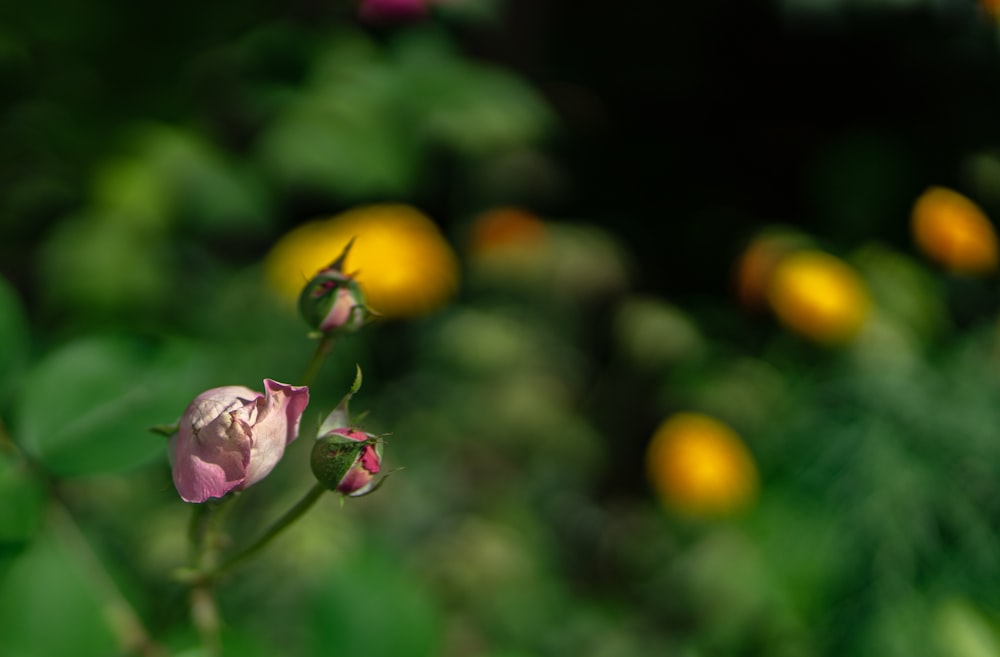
(689, 342)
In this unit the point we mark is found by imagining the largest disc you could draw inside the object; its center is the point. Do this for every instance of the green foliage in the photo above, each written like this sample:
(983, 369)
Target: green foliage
(13, 339)
(367, 117)
(144, 184)
(370, 605)
(47, 587)
(21, 516)
(87, 407)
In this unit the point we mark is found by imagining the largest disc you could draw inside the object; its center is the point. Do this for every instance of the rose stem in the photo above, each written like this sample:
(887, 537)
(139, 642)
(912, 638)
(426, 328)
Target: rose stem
(203, 535)
(316, 362)
(279, 525)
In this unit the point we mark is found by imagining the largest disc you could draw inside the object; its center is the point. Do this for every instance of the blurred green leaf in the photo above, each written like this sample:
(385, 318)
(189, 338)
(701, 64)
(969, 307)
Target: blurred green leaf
(653, 334)
(361, 125)
(13, 337)
(48, 606)
(963, 631)
(93, 262)
(88, 406)
(904, 290)
(23, 497)
(21, 511)
(346, 143)
(128, 187)
(371, 606)
(168, 174)
(473, 108)
(346, 131)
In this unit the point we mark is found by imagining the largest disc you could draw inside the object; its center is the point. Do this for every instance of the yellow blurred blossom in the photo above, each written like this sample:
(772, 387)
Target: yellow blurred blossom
(819, 296)
(403, 263)
(758, 261)
(954, 232)
(700, 467)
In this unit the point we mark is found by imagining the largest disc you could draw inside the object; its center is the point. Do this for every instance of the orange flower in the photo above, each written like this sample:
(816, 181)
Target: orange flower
(757, 263)
(819, 297)
(699, 466)
(953, 231)
(403, 263)
(505, 227)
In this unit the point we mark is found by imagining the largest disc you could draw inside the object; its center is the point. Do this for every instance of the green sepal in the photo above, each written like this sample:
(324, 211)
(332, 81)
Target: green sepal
(332, 457)
(339, 417)
(167, 430)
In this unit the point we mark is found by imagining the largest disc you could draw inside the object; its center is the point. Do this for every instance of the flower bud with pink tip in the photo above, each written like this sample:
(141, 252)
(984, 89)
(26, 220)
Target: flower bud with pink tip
(344, 458)
(231, 437)
(347, 461)
(332, 302)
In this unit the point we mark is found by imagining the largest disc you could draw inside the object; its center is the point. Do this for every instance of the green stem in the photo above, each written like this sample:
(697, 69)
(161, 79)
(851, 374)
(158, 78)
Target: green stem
(203, 534)
(205, 617)
(280, 524)
(316, 362)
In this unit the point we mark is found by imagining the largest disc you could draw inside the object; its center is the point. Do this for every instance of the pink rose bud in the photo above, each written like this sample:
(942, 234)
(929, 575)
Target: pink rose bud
(392, 10)
(347, 460)
(332, 302)
(232, 437)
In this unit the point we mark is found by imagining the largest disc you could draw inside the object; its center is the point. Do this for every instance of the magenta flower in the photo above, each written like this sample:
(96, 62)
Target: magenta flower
(232, 437)
(392, 10)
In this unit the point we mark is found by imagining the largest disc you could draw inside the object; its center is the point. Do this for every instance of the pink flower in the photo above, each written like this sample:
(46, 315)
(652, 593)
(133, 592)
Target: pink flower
(347, 460)
(232, 437)
(392, 10)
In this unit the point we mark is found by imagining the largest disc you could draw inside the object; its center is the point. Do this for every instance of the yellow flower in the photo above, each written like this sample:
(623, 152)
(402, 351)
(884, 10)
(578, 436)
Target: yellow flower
(953, 231)
(819, 296)
(403, 263)
(699, 466)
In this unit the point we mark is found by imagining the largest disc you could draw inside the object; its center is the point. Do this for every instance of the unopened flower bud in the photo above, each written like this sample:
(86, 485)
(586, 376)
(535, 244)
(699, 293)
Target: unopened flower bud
(231, 437)
(332, 302)
(347, 461)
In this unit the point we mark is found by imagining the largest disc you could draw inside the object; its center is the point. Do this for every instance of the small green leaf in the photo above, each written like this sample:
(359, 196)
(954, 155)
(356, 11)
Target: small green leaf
(357, 381)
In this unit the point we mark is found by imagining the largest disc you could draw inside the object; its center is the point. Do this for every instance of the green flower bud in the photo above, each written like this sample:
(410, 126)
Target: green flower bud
(332, 301)
(347, 461)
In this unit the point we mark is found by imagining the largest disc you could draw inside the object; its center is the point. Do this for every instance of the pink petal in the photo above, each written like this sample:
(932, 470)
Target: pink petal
(211, 449)
(278, 415)
(370, 460)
